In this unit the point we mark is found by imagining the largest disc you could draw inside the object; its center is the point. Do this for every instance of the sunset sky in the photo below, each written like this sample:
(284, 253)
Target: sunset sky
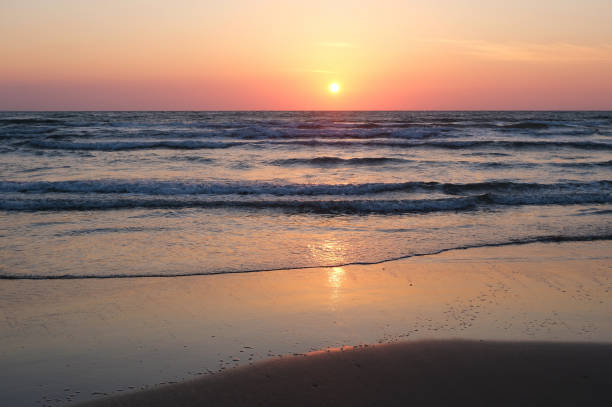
(283, 55)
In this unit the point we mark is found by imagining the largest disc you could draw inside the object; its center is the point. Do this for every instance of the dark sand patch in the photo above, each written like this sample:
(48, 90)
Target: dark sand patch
(432, 373)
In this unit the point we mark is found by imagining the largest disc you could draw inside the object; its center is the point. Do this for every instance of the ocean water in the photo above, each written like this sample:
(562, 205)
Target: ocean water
(126, 194)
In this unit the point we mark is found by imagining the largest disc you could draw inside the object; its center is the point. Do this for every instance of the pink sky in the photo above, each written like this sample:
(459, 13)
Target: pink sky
(282, 55)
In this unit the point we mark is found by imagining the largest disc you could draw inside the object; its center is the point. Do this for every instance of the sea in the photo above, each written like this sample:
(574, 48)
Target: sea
(169, 194)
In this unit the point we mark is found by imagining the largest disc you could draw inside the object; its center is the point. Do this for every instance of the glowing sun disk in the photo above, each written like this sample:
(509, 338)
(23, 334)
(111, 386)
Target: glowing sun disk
(334, 87)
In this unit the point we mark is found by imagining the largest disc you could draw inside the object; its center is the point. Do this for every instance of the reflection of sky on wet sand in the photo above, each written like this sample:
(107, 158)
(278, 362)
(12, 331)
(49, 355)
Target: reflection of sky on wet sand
(104, 335)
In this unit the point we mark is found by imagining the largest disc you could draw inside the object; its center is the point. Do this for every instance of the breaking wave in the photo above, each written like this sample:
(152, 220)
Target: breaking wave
(153, 187)
(326, 206)
(130, 145)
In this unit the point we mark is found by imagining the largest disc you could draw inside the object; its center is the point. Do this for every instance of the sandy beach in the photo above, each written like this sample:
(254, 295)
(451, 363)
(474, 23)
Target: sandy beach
(79, 340)
(424, 373)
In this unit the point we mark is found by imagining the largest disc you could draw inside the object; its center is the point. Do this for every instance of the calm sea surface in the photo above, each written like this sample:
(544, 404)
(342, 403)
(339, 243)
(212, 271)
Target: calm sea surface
(175, 193)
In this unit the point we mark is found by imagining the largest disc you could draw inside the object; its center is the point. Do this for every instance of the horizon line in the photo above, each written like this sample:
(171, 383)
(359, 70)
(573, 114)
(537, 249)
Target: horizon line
(292, 110)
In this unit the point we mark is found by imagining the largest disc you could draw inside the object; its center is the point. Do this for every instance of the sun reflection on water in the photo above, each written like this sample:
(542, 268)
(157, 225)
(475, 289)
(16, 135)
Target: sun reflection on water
(330, 252)
(335, 277)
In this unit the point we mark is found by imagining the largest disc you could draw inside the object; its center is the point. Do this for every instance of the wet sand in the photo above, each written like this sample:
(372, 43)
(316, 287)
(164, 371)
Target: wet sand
(72, 341)
(428, 373)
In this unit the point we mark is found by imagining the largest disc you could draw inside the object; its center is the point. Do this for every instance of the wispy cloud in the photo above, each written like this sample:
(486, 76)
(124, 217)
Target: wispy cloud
(524, 51)
(337, 44)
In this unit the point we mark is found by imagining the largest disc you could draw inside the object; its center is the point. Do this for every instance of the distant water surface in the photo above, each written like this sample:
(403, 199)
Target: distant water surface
(104, 194)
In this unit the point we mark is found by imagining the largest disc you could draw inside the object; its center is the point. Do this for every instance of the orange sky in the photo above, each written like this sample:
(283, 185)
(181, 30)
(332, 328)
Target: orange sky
(282, 55)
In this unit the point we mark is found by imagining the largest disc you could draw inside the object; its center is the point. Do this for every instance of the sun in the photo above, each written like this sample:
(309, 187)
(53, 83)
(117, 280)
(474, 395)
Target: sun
(334, 87)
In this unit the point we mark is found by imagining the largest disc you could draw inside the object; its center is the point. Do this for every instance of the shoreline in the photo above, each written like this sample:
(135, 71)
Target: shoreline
(432, 373)
(542, 240)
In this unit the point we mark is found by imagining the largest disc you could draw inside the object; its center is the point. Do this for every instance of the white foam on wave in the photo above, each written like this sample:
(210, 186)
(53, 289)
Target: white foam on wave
(327, 206)
(131, 145)
(155, 187)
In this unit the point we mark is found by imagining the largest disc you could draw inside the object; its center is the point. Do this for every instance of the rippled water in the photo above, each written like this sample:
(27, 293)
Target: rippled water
(173, 193)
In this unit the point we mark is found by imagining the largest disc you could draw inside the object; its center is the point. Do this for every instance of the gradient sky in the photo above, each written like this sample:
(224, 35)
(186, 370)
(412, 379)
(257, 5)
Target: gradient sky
(282, 55)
